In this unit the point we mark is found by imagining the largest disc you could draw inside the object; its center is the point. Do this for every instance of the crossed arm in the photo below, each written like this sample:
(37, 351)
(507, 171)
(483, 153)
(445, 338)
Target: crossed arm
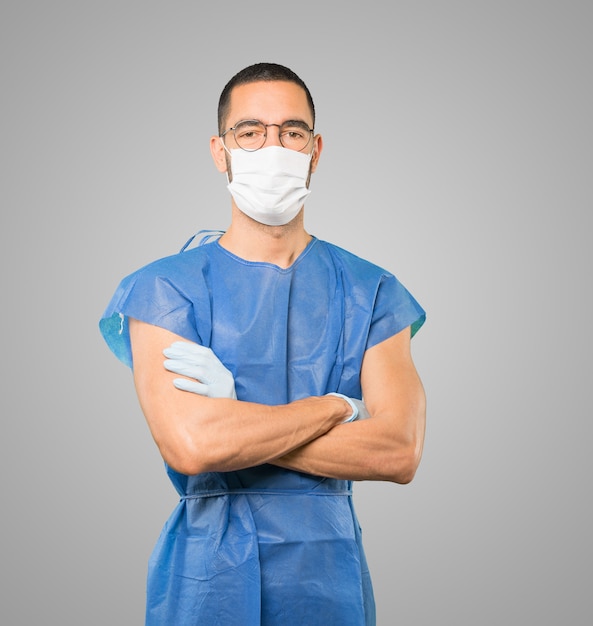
(195, 433)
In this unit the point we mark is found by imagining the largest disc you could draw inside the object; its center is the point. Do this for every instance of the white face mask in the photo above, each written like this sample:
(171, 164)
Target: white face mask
(269, 184)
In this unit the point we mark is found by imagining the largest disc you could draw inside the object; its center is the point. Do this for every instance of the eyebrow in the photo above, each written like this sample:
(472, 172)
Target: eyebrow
(296, 122)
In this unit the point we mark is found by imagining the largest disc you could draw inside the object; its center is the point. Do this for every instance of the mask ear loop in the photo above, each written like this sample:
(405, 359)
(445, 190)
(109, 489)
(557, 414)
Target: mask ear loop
(313, 148)
(230, 155)
(223, 145)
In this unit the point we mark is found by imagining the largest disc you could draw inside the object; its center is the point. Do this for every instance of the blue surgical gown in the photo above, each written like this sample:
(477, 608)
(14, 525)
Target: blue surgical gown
(264, 545)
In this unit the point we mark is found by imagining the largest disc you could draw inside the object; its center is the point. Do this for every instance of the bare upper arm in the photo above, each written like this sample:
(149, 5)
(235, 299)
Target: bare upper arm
(165, 408)
(392, 388)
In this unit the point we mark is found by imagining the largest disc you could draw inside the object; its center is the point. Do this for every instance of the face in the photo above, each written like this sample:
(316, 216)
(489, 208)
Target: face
(271, 103)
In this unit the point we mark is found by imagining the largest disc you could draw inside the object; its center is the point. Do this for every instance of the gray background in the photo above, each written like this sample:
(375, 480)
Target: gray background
(458, 154)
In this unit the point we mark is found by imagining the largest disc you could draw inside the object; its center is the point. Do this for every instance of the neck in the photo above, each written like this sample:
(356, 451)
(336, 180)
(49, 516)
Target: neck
(252, 241)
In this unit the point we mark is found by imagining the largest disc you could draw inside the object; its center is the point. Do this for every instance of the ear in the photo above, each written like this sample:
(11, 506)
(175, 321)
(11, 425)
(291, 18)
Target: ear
(218, 153)
(317, 148)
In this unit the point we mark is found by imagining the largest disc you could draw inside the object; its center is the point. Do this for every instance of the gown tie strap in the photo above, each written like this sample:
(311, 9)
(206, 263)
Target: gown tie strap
(213, 493)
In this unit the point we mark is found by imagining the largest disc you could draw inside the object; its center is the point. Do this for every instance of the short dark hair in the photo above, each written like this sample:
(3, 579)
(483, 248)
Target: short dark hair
(255, 73)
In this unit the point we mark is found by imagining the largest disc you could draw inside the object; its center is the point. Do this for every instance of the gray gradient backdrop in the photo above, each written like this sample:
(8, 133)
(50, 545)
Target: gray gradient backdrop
(458, 154)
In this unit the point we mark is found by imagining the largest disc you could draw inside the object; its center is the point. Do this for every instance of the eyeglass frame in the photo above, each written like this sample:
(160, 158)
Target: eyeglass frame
(279, 126)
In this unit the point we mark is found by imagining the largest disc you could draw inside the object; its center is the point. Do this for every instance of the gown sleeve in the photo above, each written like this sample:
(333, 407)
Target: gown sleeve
(153, 295)
(395, 309)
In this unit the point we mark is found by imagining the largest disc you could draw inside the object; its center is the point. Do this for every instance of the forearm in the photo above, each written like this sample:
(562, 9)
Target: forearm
(204, 434)
(367, 450)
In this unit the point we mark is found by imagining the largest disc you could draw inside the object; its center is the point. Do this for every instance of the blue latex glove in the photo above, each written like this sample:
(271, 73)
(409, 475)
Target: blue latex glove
(359, 410)
(211, 377)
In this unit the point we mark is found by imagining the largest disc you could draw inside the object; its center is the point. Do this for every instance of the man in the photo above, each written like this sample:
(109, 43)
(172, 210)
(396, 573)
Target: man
(277, 337)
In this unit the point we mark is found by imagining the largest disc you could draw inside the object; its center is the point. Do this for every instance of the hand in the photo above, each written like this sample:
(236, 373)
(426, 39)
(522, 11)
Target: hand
(212, 378)
(359, 410)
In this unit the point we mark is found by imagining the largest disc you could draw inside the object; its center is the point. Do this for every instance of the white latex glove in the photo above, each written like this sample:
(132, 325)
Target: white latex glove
(211, 377)
(359, 410)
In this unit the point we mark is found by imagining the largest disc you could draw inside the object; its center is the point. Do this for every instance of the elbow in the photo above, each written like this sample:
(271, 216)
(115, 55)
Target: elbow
(191, 464)
(406, 474)
(184, 461)
(404, 464)
(186, 456)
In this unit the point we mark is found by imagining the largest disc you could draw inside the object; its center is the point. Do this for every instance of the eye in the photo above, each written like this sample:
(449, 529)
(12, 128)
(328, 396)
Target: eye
(294, 131)
(249, 130)
(293, 134)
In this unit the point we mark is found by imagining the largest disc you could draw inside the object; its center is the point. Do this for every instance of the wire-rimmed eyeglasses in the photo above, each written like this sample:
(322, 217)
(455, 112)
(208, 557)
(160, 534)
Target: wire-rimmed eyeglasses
(251, 135)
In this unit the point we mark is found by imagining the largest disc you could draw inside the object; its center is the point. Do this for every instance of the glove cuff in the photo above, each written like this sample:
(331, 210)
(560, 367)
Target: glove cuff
(350, 402)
